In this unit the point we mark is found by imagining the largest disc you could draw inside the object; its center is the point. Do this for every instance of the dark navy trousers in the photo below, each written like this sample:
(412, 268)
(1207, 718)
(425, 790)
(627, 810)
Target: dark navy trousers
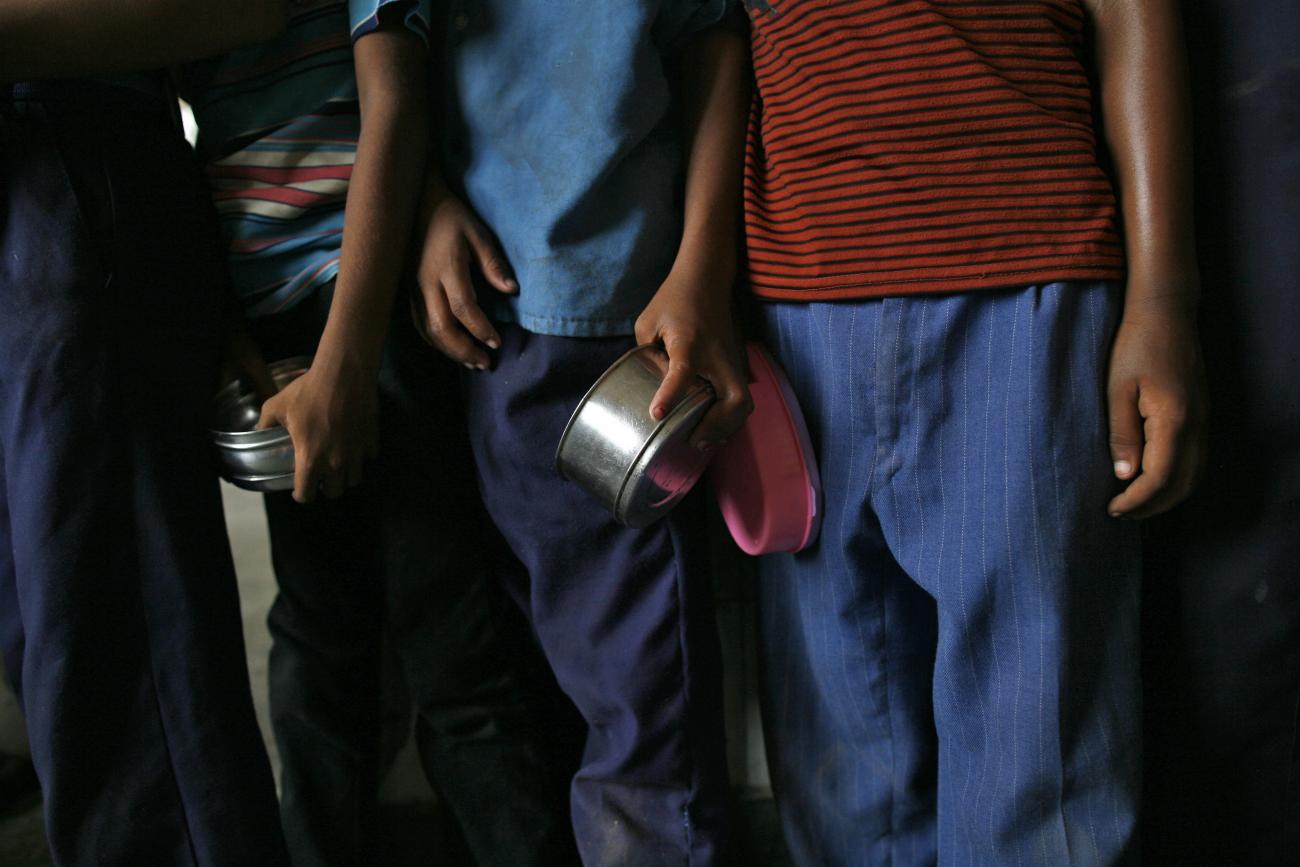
(401, 559)
(623, 616)
(119, 616)
(950, 674)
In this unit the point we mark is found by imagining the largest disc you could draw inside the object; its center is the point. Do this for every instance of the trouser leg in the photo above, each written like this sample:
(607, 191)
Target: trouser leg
(480, 739)
(132, 671)
(623, 616)
(324, 666)
(402, 556)
(324, 674)
(984, 464)
(995, 501)
(846, 637)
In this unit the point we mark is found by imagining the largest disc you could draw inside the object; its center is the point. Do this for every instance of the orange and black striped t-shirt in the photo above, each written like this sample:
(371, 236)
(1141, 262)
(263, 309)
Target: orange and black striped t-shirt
(908, 146)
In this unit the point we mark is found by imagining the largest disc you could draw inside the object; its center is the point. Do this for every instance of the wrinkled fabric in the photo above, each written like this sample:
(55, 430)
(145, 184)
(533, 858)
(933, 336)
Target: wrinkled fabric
(950, 673)
(119, 615)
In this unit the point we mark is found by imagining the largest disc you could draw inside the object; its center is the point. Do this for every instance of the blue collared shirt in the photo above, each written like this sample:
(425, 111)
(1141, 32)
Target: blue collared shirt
(557, 123)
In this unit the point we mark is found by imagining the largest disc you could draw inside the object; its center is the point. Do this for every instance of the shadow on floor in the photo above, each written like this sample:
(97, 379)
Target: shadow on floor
(415, 835)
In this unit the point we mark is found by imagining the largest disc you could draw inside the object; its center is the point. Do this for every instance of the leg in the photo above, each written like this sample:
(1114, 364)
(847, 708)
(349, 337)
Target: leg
(132, 668)
(324, 665)
(992, 491)
(623, 616)
(323, 674)
(476, 728)
(846, 638)
(11, 622)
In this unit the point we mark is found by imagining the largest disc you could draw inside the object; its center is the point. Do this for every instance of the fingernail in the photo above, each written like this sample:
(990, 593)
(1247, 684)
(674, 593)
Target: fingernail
(1123, 468)
(1117, 514)
(480, 367)
(494, 343)
(468, 366)
(513, 284)
(657, 412)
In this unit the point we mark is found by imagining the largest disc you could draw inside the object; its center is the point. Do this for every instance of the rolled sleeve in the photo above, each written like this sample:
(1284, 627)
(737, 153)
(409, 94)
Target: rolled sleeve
(680, 21)
(363, 16)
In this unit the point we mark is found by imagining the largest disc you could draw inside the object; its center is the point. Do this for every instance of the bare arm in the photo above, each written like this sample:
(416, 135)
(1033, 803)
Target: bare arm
(331, 411)
(70, 38)
(691, 314)
(1156, 390)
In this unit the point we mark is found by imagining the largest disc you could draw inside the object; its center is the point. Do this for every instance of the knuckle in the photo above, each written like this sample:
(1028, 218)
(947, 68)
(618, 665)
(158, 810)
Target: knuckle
(683, 336)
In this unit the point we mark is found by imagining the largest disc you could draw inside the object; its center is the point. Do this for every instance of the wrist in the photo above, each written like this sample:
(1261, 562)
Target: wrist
(710, 267)
(1166, 296)
(435, 187)
(345, 356)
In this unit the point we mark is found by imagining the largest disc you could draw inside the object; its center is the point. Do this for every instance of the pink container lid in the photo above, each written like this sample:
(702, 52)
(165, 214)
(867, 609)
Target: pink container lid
(766, 477)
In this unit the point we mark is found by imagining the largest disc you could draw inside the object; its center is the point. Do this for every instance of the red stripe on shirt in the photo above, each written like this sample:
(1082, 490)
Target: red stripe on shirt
(923, 146)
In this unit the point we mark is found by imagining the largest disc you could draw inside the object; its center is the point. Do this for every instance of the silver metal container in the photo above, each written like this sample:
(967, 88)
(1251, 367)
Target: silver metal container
(636, 466)
(256, 460)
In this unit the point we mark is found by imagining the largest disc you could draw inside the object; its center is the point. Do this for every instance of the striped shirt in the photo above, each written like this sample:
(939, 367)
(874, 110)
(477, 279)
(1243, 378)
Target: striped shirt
(923, 146)
(278, 129)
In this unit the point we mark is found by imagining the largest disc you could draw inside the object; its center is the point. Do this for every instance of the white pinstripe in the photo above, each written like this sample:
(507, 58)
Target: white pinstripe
(992, 727)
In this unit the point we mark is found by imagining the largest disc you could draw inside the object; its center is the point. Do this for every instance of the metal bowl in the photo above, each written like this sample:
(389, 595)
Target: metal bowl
(256, 460)
(636, 466)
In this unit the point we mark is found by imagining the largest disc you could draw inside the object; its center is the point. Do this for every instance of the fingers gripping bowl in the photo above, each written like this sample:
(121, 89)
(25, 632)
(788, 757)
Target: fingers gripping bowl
(765, 477)
(637, 466)
(256, 460)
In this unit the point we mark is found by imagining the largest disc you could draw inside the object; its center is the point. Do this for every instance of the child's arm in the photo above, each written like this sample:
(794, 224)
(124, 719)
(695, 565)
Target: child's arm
(691, 314)
(70, 38)
(331, 411)
(1156, 388)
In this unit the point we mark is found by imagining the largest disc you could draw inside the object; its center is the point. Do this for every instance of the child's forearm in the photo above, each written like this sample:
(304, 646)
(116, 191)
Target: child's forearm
(382, 195)
(715, 108)
(70, 38)
(1143, 71)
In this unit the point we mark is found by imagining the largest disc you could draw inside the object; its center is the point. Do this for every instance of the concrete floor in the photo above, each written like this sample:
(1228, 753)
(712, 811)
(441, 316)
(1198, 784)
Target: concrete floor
(411, 820)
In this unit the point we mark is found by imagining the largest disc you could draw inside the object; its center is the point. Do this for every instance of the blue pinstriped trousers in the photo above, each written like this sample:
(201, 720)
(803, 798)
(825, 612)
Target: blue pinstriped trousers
(951, 671)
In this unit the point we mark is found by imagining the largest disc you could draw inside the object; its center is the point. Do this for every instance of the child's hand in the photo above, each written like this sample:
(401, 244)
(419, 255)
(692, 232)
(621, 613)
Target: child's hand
(447, 312)
(691, 317)
(331, 412)
(1157, 409)
(243, 361)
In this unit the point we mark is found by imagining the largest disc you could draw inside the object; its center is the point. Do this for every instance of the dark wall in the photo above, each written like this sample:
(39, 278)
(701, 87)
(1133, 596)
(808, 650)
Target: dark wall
(1222, 621)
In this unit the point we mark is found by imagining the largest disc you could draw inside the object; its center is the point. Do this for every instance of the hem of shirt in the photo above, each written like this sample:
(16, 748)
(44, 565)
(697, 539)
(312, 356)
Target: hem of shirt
(935, 286)
(565, 326)
(279, 302)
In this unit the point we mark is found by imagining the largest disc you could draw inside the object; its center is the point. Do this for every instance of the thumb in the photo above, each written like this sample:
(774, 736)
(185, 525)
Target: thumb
(493, 264)
(1126, 436)
(273, 412)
